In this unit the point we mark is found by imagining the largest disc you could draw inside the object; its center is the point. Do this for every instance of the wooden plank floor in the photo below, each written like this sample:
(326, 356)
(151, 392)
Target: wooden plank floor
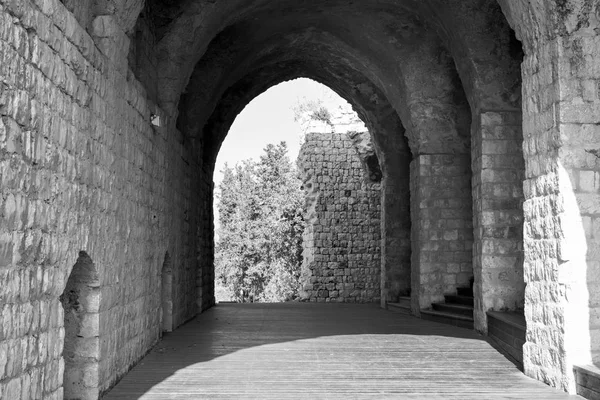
(323, 351)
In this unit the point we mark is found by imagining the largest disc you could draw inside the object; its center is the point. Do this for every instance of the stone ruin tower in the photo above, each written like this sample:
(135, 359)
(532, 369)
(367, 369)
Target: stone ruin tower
(341, 177)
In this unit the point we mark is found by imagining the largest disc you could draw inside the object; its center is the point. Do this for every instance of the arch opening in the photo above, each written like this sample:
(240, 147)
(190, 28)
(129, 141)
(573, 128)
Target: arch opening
(347, 136)
(444, 102)
(81, 351)
(432, 126)
(456, 103)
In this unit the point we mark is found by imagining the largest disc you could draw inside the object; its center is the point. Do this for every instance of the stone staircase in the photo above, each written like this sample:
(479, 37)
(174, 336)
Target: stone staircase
(402, 306)
(457, 310)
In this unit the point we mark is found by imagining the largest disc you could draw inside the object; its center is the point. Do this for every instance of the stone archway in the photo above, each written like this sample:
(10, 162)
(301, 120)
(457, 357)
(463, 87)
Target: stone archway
(81, 303)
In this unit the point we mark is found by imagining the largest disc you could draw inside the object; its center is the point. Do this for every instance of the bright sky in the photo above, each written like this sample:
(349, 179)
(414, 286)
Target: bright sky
(269, 118)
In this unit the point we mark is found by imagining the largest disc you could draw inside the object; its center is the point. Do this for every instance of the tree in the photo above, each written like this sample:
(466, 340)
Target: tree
(259, 252)
(309, 110)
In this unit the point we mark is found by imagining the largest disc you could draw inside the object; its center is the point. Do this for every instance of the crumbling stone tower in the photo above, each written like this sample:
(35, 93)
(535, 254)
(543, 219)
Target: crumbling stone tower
(484, 115)
(341, 258)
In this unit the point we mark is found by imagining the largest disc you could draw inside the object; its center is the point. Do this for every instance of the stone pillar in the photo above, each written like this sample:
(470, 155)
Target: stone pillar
(442, 234)
(498, 173)
(395, 229)
(561, 80)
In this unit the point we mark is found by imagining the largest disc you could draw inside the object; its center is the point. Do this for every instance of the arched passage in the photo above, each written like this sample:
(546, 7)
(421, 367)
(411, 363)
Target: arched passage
(445, 133)
(397, 226)
(86, 120)
(372, 109)
(81, 304)
(451, 94)
(391, 150)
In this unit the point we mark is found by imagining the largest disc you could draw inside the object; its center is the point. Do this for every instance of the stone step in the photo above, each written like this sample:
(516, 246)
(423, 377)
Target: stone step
(400, 307)
(464, 291)
(456, 299)
(587, 378)
(461, 321)
(405, 300)
(459, 309)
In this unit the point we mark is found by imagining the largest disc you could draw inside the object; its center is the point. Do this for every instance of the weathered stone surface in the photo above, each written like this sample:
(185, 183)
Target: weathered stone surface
(498, 214)
(559, 243)
(341, 258)
(82, 169)
(442, 231)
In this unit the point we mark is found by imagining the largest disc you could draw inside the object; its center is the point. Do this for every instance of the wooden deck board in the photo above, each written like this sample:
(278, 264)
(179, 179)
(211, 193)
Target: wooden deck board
(323, 351)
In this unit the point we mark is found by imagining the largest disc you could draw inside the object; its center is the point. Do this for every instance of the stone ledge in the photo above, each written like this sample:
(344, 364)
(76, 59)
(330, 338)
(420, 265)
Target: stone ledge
(508, 330)
(587, 380)
(516, 320)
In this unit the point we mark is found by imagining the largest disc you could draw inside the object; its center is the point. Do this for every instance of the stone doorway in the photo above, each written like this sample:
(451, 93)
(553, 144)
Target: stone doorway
(81, 352)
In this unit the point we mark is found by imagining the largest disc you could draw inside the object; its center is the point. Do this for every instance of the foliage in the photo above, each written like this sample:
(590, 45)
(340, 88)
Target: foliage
(311, 110)
(259, 252)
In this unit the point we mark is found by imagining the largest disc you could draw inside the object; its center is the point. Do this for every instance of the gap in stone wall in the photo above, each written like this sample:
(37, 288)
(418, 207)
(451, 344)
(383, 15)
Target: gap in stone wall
(81, 352)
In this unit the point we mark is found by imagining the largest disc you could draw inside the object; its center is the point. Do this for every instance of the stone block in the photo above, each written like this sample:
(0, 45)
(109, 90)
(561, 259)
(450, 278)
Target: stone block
(589, 181)
(12, 390)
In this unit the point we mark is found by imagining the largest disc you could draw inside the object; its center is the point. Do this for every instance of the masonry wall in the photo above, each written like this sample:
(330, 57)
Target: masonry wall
(498, 174)
(342, 236)
(395, 222)
(442, 227)
(82, 169)
(562, 193)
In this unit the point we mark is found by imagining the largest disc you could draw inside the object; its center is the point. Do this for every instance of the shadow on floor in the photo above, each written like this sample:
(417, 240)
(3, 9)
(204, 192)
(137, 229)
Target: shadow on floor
(275, 346)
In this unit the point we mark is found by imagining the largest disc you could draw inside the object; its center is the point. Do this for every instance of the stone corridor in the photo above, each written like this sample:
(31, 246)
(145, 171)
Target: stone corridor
(324, 351)
(484, 117)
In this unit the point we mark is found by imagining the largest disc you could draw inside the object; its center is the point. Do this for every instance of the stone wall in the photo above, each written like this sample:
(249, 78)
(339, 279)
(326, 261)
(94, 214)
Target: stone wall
(562, 192)
(442, 227)
(396, 227)
(498, 173)
(342, 236)
(83, 169)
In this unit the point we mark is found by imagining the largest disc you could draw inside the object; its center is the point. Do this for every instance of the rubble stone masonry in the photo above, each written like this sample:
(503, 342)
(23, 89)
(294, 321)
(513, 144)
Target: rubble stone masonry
(342, 235)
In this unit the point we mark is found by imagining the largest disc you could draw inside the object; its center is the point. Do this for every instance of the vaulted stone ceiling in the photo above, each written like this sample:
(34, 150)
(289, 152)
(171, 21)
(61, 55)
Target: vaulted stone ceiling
(431, 62)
